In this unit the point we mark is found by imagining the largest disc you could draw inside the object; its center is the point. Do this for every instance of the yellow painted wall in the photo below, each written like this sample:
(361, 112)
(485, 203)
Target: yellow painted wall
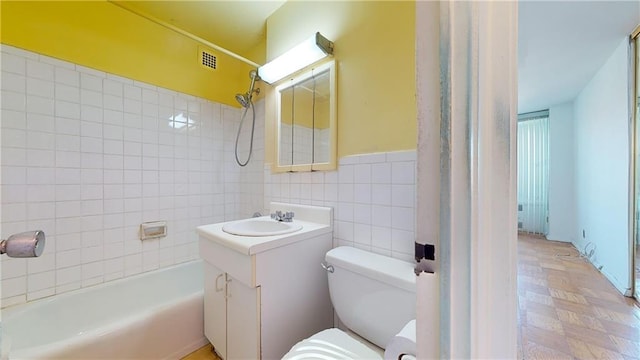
(375, 54)
(103, 36)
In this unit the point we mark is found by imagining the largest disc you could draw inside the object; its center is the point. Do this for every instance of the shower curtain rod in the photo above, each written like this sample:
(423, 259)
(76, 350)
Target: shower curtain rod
(184, 33)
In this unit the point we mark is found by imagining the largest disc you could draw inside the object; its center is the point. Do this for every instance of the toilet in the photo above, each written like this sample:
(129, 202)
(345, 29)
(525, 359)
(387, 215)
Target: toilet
(374, 296)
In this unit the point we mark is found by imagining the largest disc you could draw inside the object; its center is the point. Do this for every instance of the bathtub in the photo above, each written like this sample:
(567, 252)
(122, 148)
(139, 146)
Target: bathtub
(155, 315)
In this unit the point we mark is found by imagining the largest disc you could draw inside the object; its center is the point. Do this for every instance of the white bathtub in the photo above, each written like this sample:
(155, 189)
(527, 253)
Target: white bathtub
(155, 315)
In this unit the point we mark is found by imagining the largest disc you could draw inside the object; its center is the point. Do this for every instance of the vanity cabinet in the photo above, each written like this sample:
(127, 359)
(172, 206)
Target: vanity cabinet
(232, 310)
(215, 310)
(261, 300)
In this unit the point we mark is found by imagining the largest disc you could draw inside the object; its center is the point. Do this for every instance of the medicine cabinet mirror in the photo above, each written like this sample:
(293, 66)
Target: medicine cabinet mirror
(306, 125)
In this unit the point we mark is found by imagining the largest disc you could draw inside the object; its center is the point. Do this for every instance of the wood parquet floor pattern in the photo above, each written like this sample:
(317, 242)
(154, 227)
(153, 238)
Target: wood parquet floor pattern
(568, 310)
(204, 353)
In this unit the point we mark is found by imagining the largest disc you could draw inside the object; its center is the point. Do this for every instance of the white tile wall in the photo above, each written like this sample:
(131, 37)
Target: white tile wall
(248, 181)
(87, 156)
(303, 149)
(373, 196)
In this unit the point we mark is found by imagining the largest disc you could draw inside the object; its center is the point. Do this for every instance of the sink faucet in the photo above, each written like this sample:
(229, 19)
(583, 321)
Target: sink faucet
(285, 217)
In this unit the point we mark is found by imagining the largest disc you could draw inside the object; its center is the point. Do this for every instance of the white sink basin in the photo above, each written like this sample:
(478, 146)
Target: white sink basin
(260, 227)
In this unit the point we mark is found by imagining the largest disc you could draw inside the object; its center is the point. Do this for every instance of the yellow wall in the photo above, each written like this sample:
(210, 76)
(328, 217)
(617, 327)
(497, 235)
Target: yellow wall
(103, 36)
(375, 54)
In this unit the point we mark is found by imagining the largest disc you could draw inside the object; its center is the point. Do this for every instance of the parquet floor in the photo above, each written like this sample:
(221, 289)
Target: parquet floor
(204, 353)
(568, 310)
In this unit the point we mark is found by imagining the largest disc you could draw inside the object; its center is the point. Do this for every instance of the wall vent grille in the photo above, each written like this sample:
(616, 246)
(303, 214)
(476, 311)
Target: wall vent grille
(208, 60)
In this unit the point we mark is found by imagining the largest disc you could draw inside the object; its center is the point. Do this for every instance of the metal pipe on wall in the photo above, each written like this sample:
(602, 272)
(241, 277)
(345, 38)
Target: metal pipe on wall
(184, 33)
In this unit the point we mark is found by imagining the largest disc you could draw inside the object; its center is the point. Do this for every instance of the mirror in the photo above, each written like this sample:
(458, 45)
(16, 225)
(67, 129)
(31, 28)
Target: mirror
(306, 110)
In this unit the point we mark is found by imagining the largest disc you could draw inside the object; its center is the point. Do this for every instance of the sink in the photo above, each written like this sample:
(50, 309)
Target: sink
(263, 226)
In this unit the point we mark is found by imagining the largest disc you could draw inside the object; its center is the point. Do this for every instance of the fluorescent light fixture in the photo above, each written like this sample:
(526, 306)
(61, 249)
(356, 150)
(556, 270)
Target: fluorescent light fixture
(304, 54)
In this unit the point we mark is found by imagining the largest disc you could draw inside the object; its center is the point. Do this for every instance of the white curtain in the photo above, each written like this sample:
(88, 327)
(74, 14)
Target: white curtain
(533, 173)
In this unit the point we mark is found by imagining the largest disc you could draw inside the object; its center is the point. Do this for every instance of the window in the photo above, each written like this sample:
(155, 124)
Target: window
(533, 172)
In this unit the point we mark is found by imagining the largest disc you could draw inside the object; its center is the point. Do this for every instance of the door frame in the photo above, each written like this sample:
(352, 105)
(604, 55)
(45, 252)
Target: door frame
(467, 113)
(634, 85)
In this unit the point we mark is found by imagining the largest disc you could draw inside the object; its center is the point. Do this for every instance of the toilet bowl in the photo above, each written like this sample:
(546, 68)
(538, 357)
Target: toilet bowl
(374, 297)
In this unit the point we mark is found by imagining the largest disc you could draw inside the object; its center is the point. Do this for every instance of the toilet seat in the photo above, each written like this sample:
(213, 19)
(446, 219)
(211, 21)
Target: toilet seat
(331, 344)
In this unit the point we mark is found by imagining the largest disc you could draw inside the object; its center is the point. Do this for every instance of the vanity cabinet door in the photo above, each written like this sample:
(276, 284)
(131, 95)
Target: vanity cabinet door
(243, 325)
(215, 308)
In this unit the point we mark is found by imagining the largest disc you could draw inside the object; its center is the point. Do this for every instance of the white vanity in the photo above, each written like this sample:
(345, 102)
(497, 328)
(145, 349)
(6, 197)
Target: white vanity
(262, 294)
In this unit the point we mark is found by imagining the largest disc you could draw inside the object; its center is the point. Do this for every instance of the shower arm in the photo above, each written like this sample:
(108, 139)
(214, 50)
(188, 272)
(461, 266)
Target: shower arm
(253, 82)
(254, 76)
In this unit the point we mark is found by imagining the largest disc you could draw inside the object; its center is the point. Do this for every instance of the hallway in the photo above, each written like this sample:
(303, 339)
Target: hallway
(568, 310)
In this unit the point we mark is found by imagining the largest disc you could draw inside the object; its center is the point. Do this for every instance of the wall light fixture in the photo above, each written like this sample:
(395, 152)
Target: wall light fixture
(311, 50)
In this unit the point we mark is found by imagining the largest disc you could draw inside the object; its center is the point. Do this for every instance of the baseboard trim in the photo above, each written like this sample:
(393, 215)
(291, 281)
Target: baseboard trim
(623, 289)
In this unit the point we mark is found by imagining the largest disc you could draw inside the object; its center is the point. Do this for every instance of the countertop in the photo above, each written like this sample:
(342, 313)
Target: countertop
(250, 245)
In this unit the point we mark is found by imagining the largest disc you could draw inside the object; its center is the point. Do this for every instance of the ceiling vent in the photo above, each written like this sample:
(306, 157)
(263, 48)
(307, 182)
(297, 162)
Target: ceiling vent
(208, 59)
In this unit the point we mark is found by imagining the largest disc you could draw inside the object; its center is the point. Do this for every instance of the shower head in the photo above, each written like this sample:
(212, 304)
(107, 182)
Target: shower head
(245, 99)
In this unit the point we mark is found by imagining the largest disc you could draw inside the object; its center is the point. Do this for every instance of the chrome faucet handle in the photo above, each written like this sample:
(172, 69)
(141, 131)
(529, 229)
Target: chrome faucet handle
(277, 216)
(287, 216)
(280, 216)
(22, 245)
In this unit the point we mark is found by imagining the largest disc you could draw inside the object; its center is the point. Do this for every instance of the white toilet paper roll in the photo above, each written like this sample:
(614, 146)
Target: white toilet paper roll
(403, 343)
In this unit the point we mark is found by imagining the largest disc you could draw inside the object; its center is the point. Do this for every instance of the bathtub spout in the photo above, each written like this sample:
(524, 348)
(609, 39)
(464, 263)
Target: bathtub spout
(26, 244)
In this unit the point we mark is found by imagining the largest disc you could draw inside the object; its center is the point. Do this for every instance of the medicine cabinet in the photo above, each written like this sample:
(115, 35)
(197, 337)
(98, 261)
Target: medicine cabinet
(306, 121)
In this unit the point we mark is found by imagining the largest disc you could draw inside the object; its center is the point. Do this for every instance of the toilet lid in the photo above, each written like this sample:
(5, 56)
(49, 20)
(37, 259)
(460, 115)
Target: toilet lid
(331, 344)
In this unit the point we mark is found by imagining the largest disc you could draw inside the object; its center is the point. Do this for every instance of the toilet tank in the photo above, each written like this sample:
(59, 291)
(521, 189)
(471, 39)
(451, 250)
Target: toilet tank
(373, 295)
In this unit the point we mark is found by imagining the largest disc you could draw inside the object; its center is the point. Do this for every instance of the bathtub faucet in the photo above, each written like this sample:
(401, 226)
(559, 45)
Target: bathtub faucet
(284, 217)
(26, 244)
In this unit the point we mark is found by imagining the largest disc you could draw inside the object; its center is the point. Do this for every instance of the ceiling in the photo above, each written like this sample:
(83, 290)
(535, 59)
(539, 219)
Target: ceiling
(562, 44)
(238, 26)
